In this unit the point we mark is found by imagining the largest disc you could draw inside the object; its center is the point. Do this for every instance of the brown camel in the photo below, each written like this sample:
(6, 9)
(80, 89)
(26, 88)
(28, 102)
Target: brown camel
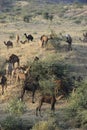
(50, 99)
(8, 44)
(44, 39)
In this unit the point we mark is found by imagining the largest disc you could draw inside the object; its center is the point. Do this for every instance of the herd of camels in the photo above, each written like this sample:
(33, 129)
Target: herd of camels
(31, 83)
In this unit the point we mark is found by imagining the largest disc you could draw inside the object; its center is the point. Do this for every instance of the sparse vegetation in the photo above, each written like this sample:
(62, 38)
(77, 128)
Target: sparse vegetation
(16, 107)
(15, 123)
(78, 106)
(44, 125)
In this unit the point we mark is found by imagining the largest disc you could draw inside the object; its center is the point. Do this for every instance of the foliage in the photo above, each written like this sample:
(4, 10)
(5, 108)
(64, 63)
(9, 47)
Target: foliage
(47, 86)
(15, 107)
(78, 105)
(44, 125)
(47, 16)
(27, 18)
(15, 123)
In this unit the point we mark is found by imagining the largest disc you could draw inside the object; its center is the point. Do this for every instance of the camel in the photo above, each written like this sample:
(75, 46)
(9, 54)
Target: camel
(21, 73)
(3, 83)
(13, 59)
(29, 37)
(68, 39)
(30, 84)
(9, 69)
(8, 44)
(23, 42)
(50, 99)
(44, 39)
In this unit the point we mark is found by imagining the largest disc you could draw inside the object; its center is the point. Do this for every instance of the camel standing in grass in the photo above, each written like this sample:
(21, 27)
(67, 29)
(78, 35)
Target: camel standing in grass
(14, 59)
(3, 83)
(50, 99)
(68, 39)
(30, 84)
(29, 37)
(8, 44)
(44, 39)
(20, 73)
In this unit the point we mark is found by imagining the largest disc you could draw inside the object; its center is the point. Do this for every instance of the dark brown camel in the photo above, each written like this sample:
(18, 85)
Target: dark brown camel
(47, 99)
(69, 41)
(30, 84)
(13, 59)
(29, 37)
(3, 83)
(8, 44)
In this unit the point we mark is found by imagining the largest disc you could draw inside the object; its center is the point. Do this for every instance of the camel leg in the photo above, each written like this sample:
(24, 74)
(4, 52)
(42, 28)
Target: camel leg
(33, 96)
(39, 109)
(42, 43)
(53, 106)
(2, 89)
(69, 47)
(22, 94)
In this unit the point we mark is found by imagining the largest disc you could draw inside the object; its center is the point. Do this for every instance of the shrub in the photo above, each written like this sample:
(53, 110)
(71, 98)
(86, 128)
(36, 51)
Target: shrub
(15, 123)
(15, 107)
(47, 16)
(78, 105)
(47, 86)
(39, 68)
(27, 18)
(44, 125)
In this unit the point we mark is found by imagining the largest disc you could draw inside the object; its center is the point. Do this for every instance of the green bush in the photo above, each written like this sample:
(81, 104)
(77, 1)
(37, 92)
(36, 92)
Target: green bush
(39, 68)
(47, 86)
(15, 123)
(44, 125)
(15, 107)
(78, 105)
(47, 16)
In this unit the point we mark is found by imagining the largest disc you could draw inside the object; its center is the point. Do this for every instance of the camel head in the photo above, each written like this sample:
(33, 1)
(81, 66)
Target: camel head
(25, 34)
(5, 43)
